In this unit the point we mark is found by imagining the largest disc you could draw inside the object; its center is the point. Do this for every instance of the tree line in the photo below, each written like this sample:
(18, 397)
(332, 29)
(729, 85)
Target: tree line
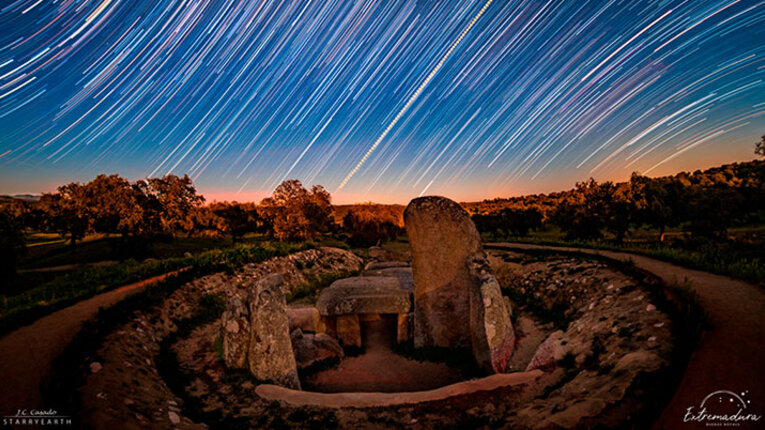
(703, 204)
(145, 211)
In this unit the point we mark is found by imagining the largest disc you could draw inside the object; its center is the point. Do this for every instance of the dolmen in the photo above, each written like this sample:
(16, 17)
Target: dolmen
(457, 299)
(347, 302)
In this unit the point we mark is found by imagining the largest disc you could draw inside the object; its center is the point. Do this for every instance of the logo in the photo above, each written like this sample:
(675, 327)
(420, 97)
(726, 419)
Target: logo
(35, 417)
(722, 408)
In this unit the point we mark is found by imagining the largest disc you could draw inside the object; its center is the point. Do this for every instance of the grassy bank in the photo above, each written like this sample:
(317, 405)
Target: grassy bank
(62, 291)
(739, 258)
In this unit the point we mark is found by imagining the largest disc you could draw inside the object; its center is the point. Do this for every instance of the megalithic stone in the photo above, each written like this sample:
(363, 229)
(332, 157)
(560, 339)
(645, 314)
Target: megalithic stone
(492, 332)
(442, 238)
(270, 356)
(457, 299)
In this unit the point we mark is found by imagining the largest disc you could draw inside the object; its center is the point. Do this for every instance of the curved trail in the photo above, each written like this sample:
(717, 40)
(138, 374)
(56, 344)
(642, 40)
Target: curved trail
(27, 353)
(729, 356)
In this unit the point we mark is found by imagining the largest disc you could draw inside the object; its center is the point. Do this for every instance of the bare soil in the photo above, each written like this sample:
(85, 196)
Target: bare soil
(379, 369)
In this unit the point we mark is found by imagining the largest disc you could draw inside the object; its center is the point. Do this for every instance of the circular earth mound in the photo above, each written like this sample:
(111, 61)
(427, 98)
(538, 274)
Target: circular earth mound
(591, 347)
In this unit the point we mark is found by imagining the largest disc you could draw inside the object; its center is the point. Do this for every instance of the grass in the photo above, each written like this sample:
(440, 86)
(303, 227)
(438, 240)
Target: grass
(62, 291)
(210, 308)
(554, 314)
(69, 369)
(740, 257)
(46, 251)
(23, 308)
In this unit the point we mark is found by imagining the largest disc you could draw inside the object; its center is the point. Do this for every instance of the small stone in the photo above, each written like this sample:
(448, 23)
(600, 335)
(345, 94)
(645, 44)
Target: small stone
(659, 325)
(650, 308)
(128, 402)
(96, 367)
(101, 396)
(652, 339)
(174, 418)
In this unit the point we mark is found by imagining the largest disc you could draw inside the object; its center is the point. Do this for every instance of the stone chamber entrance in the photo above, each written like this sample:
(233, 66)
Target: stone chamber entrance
(378, 368)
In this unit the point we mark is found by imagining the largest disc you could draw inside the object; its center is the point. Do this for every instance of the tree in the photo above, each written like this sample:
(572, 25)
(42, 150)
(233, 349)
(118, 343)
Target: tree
(519, 221)
(582, 213)
(711, 210)
(620, 208)
(759, 147)
(368, 226)
(318, 209)
(67, 211)
(11, 244)
(178, 199)
(117, 206)
(660, 202)
(237, 219)
(487, 223)
(297, 214)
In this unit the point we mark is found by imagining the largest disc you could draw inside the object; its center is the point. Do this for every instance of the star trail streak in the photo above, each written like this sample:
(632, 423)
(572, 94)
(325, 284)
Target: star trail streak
(471, 99)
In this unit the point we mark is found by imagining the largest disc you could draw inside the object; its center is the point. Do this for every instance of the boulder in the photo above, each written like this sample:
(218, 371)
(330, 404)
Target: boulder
(549, 353)
(310, 349)
(235, 331)
(363, 295)
(307, 319)
(270, 356)
(493, 337)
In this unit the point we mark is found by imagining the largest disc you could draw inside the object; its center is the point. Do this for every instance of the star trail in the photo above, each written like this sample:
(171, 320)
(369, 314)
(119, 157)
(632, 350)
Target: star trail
(376, 100)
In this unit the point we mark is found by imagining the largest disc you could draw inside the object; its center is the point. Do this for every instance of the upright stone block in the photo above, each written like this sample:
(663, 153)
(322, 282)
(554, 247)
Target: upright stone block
(442, 238)
(457, 299)
(270, 356)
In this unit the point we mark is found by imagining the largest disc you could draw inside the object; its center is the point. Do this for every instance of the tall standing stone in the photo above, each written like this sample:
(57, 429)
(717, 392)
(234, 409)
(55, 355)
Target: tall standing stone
(457, 300)
(270, 356)
(442, 237)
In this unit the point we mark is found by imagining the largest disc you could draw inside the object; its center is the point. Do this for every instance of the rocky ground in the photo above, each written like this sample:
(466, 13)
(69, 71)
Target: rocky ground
(593, 330)
(125, 389)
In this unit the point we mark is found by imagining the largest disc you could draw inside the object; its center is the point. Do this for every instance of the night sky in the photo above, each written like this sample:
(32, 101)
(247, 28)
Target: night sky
(382, 100)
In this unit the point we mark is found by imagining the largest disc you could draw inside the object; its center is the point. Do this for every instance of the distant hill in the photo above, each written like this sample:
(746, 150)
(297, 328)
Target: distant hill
(22, 197)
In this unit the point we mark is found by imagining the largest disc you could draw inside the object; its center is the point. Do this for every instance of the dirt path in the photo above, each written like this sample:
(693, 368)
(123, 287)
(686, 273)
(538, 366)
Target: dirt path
(729, 356)
(27, 353)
